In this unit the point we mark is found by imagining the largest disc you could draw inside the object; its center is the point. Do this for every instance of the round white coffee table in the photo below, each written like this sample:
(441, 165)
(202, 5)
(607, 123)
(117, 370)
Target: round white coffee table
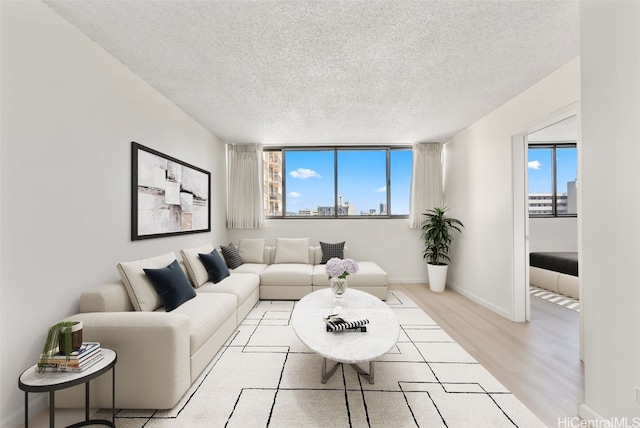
(381, 336)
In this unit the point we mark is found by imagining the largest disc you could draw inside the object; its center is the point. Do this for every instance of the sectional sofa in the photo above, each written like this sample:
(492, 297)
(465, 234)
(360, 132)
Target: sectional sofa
(162, 352)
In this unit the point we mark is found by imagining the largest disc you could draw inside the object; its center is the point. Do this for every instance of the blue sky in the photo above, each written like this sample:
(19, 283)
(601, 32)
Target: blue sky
(361, 179)
(540, 169)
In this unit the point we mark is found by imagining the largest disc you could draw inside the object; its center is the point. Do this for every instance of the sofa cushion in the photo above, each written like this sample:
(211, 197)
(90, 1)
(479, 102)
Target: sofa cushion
(215, 266)
(195, 269)
(139, 288)
(171, 284)
(330, 251)
(207, 312)
(254, 268)
(240, 284)
(251, 250)
(286, 274)
(231, 256)
(369, 273)
(290, 250)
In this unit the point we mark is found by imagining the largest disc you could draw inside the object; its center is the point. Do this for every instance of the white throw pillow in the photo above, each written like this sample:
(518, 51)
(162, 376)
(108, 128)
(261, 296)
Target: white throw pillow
(251, 250)
(141, 291)
(195, 269)
(292, 250)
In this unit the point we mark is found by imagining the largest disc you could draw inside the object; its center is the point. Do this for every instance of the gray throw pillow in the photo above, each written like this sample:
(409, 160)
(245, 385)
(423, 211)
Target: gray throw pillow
(330, 251)
(231, 256)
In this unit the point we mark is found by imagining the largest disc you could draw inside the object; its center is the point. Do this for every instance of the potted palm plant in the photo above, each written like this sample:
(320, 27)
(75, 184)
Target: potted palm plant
(437, 235)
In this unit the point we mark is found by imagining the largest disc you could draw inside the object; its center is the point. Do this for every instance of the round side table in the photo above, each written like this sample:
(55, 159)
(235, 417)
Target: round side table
(32, 381)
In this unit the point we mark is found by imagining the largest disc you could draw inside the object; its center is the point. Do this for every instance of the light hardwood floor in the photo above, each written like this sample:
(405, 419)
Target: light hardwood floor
(537, 361)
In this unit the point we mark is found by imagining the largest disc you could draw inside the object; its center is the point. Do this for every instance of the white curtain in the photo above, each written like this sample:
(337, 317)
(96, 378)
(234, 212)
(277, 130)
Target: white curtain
(244, 191)
(426, 181)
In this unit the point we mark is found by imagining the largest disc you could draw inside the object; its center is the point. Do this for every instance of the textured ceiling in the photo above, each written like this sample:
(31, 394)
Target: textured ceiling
(334, 72)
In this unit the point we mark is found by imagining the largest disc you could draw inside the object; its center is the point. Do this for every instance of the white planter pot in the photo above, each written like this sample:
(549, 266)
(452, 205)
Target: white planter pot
(437, 277)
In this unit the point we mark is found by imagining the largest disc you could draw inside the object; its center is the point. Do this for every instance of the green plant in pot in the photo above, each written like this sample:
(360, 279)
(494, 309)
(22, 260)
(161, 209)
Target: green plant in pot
(64, 338)
(437, 234)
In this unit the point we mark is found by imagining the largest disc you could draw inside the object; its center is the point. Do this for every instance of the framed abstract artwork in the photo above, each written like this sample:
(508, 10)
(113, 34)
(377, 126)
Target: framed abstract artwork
(168, 196)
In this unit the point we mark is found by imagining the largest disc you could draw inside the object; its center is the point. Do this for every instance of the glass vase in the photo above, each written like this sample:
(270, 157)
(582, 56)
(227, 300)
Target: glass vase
(339, 287)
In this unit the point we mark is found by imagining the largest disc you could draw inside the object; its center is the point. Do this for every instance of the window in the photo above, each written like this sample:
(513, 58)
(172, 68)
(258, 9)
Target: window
(401, 171)
(332, 182)
(309, 182)
(362, 182)
(552, 179)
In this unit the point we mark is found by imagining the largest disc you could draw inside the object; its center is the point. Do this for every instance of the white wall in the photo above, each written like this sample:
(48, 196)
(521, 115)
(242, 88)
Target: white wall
(553, 234)
(388, 242)
(610, 272)
(478, 188)
(69, 114)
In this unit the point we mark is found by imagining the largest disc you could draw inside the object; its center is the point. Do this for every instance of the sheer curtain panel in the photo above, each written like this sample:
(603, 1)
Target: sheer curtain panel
(244, 191)
(426, 181)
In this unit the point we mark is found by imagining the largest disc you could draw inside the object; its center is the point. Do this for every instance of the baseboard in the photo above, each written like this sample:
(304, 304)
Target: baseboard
(588, 414)
(506, 314)
(407, 280)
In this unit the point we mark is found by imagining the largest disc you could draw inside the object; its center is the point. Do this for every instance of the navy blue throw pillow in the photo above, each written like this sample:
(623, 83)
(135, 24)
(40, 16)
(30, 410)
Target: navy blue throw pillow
(172, 285)
(214, 264)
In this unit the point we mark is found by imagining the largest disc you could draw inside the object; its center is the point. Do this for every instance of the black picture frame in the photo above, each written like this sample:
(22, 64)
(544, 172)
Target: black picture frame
(169, 197)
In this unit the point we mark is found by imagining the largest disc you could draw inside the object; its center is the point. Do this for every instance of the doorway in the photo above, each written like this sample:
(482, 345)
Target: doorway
(553, 209)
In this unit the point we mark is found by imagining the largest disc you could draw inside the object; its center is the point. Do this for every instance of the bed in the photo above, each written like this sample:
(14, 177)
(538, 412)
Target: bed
(555, 271)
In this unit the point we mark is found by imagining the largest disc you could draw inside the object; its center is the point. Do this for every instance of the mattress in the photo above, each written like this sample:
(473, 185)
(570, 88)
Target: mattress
(566, 263)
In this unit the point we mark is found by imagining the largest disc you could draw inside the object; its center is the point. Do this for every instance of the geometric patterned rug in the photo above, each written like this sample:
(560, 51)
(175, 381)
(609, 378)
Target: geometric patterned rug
(558, 299)
(265, 377)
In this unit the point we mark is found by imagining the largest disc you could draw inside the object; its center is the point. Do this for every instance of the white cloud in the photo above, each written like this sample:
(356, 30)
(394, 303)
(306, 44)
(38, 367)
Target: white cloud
(304, 173)
(534, 164)
(295, 194)
(381, 189)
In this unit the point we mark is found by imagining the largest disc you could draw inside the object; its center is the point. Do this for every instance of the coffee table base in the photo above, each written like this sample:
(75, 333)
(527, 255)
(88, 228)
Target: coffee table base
(326, 375)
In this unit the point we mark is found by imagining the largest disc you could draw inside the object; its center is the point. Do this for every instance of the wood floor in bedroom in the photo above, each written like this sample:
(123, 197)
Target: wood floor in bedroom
(538, 361)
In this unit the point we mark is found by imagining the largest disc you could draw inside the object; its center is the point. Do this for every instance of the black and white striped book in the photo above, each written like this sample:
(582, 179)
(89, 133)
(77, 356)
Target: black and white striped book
(335, 323)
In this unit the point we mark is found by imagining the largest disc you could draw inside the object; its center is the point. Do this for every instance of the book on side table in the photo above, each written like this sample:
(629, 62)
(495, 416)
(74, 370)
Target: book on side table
(88, 354)
(337, 324)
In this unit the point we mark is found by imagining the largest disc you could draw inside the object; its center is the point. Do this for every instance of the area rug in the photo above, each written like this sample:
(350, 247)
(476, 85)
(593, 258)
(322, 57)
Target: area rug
(265, 377)
(558, 299)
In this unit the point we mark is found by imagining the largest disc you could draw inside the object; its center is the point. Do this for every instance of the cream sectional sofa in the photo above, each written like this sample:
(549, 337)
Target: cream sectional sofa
(292, 269)
(291, 281)
(160, 353)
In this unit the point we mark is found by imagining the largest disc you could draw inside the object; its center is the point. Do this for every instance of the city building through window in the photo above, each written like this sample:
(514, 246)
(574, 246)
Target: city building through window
(553, 179)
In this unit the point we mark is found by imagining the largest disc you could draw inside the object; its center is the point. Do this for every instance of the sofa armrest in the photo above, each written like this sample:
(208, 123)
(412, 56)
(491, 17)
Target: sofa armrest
(106, 298)
(153, 370)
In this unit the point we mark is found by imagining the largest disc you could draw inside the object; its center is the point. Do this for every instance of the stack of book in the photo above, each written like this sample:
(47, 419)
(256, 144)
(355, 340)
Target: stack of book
(88, 354)
(337, 324)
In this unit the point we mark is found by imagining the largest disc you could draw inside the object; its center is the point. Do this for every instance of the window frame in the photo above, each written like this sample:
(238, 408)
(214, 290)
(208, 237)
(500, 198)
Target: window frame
(554, 177)
(335, 150)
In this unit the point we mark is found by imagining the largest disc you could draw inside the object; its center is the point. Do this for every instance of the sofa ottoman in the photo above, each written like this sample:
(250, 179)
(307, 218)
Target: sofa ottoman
(286, 281)
(370, 278)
